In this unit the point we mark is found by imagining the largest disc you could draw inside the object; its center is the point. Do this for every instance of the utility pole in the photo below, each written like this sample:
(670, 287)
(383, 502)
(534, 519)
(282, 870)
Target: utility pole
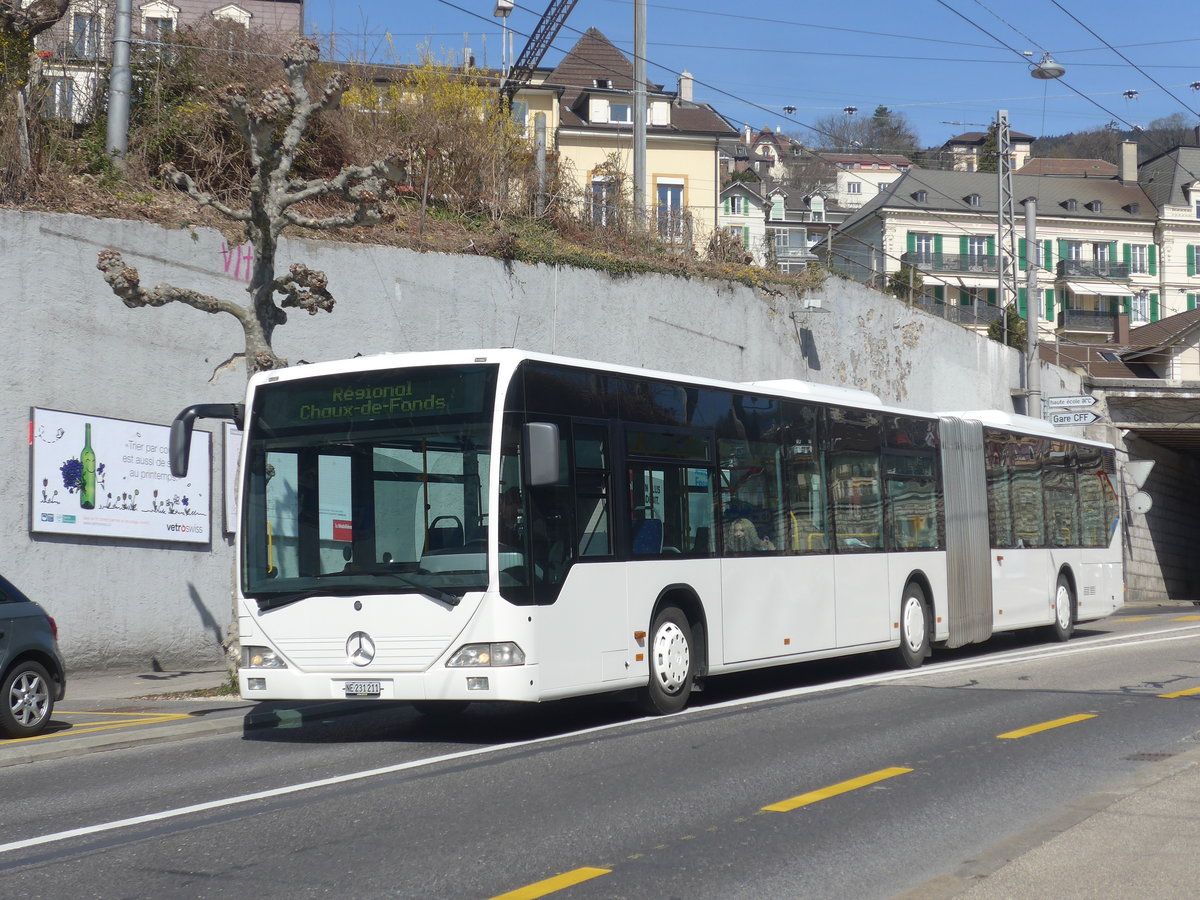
(1006, 225)
(120, 85)
(1033, 362)
(639, 113)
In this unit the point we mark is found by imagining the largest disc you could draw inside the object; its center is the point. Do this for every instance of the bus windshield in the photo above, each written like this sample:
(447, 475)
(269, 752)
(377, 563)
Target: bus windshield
(368, 483)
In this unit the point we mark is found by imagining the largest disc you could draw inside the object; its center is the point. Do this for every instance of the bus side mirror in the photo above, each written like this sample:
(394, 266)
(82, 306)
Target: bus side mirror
(181, 430)
(540, 440)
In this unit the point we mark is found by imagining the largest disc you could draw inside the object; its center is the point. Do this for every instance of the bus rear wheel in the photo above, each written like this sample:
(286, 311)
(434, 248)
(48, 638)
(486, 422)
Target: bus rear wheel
(914, 628)
(672, 663)
(1064, 611)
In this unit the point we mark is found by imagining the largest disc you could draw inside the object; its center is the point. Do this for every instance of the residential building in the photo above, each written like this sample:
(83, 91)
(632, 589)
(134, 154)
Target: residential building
(860, 176)
(964, 150)
(1107, 246)
(77, 50)
(588, 101)
(772, 221)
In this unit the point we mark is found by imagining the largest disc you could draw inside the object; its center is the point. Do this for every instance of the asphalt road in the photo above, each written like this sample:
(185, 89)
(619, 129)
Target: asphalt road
(844, 779)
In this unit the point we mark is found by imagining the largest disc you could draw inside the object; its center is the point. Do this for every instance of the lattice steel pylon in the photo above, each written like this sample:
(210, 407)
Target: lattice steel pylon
(1006, 224)
(539, 42)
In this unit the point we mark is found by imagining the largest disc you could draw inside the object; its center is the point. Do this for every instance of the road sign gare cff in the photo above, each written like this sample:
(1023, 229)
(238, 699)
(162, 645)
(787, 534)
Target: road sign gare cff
(1079, 417)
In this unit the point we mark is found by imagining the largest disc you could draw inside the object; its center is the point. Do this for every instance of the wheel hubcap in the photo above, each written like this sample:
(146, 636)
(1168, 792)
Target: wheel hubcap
(1062, 606)
(914, 623)
(28, 699)
(672, 657)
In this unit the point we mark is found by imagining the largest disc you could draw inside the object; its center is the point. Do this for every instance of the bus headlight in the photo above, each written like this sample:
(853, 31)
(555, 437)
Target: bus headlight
(505, 653)
(261, 658)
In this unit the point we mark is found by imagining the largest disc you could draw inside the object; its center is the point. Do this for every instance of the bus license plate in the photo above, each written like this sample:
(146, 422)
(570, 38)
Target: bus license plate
(363, 689)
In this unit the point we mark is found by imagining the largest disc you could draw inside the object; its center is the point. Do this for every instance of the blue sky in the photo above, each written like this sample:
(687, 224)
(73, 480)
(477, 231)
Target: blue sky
(925, 58)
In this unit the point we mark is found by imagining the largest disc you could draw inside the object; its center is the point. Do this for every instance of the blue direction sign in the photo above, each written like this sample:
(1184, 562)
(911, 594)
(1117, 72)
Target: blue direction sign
(1082, 400)
(1082, 417)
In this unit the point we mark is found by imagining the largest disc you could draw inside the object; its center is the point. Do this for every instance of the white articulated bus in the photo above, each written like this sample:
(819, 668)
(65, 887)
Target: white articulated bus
(449, 527)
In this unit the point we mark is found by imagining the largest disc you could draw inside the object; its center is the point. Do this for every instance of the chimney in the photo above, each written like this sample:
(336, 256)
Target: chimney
(1129, 162)
(685, 86)
(746, 134)
(1121, 336)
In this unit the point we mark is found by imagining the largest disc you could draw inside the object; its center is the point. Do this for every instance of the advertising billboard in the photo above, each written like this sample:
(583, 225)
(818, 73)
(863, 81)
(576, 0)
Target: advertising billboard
(104, 477)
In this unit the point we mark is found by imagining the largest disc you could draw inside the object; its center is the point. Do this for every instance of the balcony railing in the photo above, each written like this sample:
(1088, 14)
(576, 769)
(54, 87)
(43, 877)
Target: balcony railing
(1092, 321)
(966, 264)
(977, 315)
(792, 253)
(1090, 268)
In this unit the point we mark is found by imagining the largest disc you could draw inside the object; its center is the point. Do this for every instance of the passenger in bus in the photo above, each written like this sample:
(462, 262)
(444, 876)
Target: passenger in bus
(742, 537)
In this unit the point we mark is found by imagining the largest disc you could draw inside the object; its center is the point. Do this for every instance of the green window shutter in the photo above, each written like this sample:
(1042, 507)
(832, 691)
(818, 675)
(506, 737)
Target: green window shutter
(1125, 304)
(1047, 255)
(1062, 248)
(1126, 255)
(1152, 253)
(745, 235)
(991, 295)
(962, 245)
(1021, 254)
(1191, 301)
(1154, 307)
(991, 246)
(964, 299)
(937, 244)
(1049, 304)
(1023, 302)
(1191, 259)
(939, 293)
(912, 242)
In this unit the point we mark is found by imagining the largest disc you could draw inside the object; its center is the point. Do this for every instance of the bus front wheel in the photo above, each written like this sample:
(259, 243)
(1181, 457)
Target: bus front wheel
(914, 628)
(1064, 611)
(672, 663)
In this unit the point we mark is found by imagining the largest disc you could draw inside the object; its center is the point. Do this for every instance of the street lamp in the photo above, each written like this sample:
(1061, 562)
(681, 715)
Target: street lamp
(502, 11)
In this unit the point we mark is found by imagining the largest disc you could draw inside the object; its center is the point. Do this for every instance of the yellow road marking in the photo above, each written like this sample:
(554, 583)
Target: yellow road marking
(550, 885)
(1133, 619)
(1045, 726)
(835, 789)
(124, 722)
(1189, 692)
(1186, 619)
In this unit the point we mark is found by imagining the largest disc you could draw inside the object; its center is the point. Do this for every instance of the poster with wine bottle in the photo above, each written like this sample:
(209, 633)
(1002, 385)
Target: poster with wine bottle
(92, 475)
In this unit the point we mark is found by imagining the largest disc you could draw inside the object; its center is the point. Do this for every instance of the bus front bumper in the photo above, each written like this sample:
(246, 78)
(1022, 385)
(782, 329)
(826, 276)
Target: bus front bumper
(514, 683)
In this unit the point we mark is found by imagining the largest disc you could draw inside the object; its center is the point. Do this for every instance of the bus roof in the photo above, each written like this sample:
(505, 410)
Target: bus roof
(1030, 425)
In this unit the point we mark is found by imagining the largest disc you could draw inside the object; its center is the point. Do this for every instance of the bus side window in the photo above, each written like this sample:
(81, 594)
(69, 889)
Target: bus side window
(805, 515)
(592, 511)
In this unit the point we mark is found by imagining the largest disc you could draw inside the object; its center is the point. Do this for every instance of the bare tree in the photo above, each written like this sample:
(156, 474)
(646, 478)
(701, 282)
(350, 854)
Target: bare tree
(19, 25)
(272, 129)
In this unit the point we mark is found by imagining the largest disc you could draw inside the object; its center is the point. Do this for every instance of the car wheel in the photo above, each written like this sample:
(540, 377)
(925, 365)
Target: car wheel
(914, 628)
(1064, 611)
(28, 700)
(672, 663)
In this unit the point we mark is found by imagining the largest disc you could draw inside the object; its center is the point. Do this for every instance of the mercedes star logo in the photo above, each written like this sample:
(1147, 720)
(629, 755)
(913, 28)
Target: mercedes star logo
(360, 649)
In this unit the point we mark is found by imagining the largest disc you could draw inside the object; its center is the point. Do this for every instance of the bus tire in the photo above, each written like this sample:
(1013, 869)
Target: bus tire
(672, 663)
(914, 628)
(440, 709)
(1064, 611)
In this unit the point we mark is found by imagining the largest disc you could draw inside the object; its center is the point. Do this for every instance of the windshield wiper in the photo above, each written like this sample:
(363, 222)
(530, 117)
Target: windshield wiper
(277, 600)
(427, 590)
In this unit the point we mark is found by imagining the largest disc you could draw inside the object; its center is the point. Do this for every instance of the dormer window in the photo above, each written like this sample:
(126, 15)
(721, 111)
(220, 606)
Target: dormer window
(1072, 205)
(972, 199)
(602, 83)
(921, 196)
(1095, 206)
(620, 113)
(1133, 208)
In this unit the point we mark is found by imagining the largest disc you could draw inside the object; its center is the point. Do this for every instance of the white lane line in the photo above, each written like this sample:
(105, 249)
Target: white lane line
(934, 669)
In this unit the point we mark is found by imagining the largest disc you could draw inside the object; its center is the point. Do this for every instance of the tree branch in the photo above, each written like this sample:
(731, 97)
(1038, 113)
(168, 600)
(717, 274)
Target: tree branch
(184, 182)
(126, 284)
(306, 289)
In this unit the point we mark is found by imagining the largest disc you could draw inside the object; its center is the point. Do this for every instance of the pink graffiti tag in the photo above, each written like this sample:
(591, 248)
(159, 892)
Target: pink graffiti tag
(236, 258)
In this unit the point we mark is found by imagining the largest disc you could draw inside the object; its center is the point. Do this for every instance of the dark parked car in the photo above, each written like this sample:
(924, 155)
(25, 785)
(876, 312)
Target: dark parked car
(32, 676)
